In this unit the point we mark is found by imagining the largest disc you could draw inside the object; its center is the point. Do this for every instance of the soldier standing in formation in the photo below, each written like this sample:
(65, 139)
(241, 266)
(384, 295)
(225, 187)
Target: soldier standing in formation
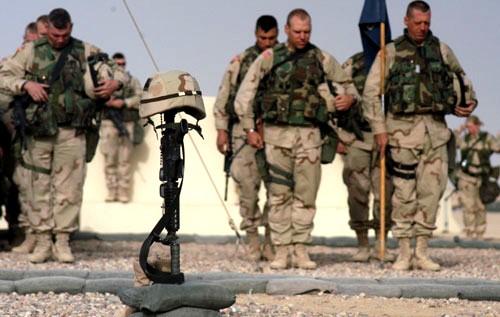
(117, 146)
(244, 167)
(361, 173)
(292, 111)
(54, 162)
(419, 75)
(476, 147)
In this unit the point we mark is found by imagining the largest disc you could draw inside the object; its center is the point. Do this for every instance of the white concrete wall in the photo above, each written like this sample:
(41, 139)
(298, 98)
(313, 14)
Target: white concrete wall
(201, 210)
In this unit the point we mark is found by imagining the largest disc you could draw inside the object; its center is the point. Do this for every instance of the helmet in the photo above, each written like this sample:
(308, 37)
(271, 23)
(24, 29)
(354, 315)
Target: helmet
(463, 89)
(176, 91)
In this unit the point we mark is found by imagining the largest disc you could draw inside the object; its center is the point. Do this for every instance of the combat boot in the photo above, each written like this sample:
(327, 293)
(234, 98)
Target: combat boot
(43, 246)
(28, 244)
(280, 261)
(123, 195)
(300, 258)
(253, 244)
(388, 257)
(112, 196)
(61, 249)
(403, 262)
(423, 261)
(268, 249)
(363, 254)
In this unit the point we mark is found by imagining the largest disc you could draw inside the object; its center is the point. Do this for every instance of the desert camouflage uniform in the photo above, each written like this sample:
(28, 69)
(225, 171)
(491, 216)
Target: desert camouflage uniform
(469, 178)
(415, 140)
(117, 150)
(294, 149)
(361, 172)
(243, 168)
(54, 187)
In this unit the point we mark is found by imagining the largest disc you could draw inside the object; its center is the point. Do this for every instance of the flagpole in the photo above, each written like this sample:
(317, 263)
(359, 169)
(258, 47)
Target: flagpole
(382, 154)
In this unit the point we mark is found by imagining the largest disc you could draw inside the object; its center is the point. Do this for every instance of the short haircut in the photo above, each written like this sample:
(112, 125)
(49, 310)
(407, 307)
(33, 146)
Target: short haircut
(59, 18)
(301, 13)
(419, 5)
(31, 28)
(266, 23)
(43, 18)
(118, 55)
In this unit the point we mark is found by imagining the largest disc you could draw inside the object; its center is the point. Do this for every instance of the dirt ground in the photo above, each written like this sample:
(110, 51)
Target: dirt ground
(342, 305)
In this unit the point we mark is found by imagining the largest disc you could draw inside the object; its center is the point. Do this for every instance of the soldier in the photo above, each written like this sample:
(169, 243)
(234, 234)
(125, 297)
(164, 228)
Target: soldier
(42, 23)
(361, 173)
(30, 33)
(420, 74)
(116, 145)
(292, 110)
(54, 163)
(476, 147)
(244, 168)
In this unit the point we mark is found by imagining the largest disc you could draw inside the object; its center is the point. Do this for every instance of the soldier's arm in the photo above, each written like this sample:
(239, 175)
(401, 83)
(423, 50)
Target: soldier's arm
(336, 73)
(132, 101)
(494, 143)
(373, 110)
(14, 69)
(451, 60)
(246, 93)
(109, 79)
(229, 79)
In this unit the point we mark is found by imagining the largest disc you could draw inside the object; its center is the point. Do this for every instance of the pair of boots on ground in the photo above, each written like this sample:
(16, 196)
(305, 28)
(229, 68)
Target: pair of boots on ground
(40, 247)
(364, 254)
(118, 194)
(419, 259)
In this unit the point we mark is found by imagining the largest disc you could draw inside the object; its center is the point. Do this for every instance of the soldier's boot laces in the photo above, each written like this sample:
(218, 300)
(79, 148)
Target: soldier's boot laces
(363, 254)
(61, 249)
(388, 256)
(43, 248)
(253, 243)
(268, 249)
(300, 258)
(123, 195)
(280, 261)
(422, 259)
(28, 244)
(403, 261)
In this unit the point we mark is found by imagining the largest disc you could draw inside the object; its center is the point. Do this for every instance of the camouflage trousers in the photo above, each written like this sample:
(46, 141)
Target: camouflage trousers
(474, 211)
(52, 201)
(415, 201)
(117, 152)
(248, 179)
(361, 175)
(292, 210)
(22, 177)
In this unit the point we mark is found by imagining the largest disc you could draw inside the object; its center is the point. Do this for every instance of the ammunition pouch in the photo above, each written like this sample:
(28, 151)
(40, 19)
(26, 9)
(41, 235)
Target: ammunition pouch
(329, 146)
(489, 190)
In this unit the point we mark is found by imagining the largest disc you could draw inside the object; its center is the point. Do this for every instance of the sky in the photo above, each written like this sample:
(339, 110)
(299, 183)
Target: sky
(202, 36)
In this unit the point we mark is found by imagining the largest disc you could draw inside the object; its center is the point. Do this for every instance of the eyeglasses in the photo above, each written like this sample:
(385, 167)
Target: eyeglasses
(121, 63)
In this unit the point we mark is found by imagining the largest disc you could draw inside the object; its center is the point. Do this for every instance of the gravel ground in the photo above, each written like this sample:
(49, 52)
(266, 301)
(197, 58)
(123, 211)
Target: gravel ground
(333, 262)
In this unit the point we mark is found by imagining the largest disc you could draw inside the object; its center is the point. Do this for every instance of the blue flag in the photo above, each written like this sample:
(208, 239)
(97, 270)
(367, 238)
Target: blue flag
(374, 12)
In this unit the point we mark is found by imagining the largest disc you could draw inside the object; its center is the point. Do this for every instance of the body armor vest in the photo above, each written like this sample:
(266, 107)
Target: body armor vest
(476, 154)
(290, 93)
(419, 81)
(68, 105)
(249, 56)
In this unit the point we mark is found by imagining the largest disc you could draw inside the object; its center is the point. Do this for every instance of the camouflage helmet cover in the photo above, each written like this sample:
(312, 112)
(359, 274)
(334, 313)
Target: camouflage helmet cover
(175, 90)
